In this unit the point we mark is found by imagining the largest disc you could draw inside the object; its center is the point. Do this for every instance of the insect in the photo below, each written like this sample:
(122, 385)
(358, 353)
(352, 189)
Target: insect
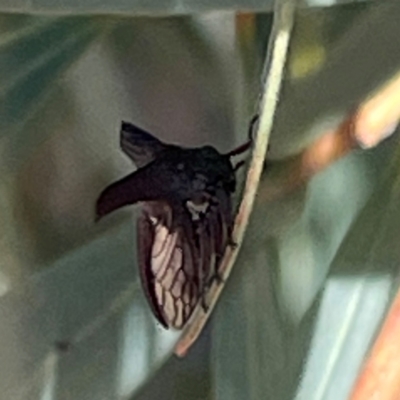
(185, 222)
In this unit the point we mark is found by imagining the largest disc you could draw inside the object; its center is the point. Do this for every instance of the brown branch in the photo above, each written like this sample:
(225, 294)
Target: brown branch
(372, 122)
(286, 176)
(380, 376)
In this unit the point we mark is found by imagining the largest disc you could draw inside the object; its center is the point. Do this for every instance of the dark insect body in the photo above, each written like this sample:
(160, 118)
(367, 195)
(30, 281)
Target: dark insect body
(185, 222)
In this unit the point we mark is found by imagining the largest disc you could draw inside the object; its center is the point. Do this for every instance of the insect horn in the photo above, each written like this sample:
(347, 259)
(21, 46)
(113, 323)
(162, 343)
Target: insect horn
(128, 190)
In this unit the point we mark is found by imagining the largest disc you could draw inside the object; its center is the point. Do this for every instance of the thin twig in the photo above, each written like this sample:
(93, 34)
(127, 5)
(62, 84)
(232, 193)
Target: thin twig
(284, 11)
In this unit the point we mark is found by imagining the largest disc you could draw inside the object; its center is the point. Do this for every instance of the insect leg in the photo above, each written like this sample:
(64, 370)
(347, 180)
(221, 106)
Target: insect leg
(238, 165)
(231, 242)
(239, 150)
(215, 277)
(204, 304)
(245, 146)
(252, 124)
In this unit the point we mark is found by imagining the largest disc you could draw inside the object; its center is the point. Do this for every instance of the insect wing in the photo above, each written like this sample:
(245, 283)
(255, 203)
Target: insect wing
(140, 146)
(168, 263)
(179, 256)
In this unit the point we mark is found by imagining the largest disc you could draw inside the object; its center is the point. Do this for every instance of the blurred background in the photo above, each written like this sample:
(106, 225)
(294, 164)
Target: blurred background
(319, 264)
